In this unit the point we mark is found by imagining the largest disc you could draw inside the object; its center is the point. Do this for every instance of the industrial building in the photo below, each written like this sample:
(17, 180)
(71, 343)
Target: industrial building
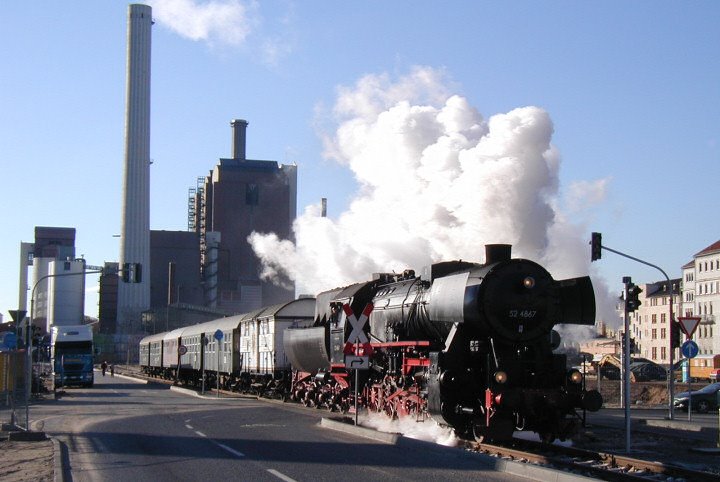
(238, 197)
(52, 281)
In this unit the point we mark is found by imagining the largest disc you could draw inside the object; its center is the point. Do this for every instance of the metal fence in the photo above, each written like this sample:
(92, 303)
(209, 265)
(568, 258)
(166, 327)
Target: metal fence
(14, 394)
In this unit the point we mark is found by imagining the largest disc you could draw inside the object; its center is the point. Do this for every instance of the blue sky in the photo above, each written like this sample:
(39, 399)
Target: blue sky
(628, 98)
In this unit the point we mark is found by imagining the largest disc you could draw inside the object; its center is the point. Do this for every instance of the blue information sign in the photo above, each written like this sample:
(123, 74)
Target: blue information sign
(218, 335)
(9, 340)
(689, 349)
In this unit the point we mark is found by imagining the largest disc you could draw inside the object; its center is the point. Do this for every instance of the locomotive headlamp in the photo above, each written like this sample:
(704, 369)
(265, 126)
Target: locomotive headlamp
(529, 282)
(500, 377)
(575, 376)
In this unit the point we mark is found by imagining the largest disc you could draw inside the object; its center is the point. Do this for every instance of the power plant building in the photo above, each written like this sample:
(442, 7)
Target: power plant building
(238, 197)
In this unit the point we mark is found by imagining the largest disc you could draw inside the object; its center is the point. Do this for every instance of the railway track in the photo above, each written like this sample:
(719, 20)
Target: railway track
(596, 464)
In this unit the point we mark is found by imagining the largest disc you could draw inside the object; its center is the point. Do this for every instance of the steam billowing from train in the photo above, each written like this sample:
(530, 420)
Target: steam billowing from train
(436, 181)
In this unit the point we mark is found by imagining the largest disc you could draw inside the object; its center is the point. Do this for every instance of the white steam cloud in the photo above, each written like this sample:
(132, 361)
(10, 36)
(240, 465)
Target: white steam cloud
(437, 181)
(216, 22)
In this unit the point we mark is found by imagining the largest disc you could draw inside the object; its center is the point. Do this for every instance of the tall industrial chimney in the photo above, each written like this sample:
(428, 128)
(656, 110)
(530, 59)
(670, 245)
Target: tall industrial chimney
(134, 297)
(239, 128)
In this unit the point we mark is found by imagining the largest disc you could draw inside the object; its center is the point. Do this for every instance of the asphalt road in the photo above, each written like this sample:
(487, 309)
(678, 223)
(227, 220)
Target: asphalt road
(122, 430)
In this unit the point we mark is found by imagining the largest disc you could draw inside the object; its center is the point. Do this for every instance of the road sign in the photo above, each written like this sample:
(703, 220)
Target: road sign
(218, 335)
(689, 349)
(358, 324)
(182, 349)
(353, 362)
(364, 349)
(689, 324)
(357, 348)
(8, 341)
(17, 315)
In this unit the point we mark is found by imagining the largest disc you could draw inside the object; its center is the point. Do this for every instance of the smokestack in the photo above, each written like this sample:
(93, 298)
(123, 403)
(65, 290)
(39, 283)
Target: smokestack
(494, 253)
(239, 128)
(134, 298)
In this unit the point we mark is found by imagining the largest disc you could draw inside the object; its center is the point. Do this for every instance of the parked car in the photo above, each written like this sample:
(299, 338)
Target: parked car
(702, 400)
(642, 370)
(647, 371)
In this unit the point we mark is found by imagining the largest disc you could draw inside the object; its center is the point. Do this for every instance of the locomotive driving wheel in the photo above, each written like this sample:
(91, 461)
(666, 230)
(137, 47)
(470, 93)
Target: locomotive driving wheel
(390, 409)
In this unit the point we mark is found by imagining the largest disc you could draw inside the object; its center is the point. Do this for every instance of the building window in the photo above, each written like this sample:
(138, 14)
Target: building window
(251, 194)
(654, 318)
(662, 333)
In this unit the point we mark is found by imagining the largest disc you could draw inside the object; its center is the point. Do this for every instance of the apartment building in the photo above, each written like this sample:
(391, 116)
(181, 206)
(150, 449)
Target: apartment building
(650, 323)
(701, 296)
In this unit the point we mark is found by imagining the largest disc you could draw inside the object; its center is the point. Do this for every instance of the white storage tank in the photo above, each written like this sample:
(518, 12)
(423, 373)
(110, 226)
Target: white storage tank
(66, 293)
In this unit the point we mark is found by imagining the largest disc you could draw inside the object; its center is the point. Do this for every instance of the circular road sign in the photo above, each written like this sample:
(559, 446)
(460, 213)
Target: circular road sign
(218, 335)
(182, 349)
(689, 349)
(9, 340)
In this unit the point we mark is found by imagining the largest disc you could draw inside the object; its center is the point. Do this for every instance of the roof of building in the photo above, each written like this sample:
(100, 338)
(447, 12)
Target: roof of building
(659, 288)
(689, 264)
(249, 165)
(710, 249)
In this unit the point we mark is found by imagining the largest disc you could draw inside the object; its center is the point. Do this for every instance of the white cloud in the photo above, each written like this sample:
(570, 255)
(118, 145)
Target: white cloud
(587, 194)
(227, 22)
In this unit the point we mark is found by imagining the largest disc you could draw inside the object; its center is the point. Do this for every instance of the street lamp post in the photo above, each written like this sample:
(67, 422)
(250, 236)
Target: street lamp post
(596, 243)
(28, 341)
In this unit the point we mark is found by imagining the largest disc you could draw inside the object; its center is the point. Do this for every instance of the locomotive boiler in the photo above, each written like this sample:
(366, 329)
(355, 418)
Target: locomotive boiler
(471, 345)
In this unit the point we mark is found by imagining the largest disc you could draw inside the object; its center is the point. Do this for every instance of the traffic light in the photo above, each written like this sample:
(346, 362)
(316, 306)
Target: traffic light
(633, 348)
(632, 302)
(596, 246)
(675, 334)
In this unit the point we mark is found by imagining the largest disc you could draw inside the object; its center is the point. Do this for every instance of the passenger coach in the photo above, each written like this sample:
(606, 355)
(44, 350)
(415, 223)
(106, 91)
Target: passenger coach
(237, 348)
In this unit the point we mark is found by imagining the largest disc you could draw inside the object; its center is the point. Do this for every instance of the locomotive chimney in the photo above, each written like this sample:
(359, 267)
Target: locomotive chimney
(494, 253)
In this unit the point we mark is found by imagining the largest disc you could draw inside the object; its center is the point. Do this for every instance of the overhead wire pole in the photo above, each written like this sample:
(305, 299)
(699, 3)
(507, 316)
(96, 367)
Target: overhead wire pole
(596, 247)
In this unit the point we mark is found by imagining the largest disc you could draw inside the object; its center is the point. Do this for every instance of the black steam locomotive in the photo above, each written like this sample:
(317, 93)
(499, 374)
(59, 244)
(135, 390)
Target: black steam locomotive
(469, 344)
